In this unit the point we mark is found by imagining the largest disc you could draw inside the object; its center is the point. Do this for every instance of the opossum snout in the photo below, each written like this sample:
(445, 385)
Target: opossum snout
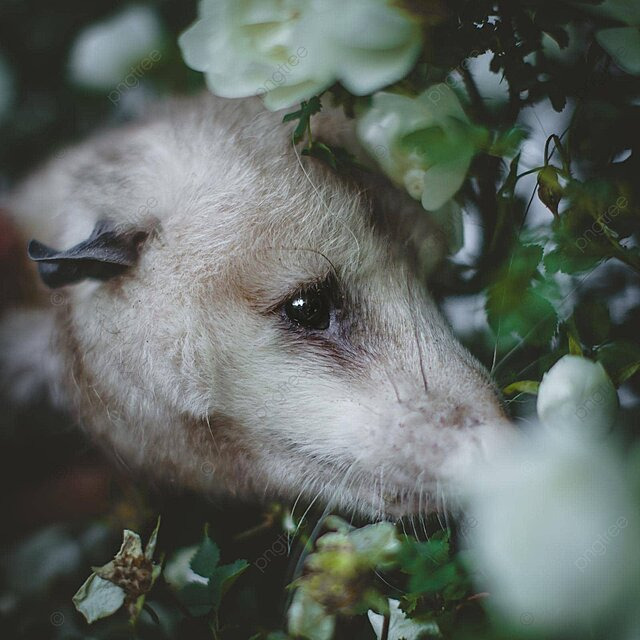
(424, 435)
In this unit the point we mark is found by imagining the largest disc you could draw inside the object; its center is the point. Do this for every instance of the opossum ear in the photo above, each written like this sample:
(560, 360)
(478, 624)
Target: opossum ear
(106, 253)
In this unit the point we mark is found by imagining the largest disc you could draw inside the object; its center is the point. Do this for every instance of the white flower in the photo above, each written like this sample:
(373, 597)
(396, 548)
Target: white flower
(433, 169)
(577, 394)
(401, 627)
(6, 88)
(103, 54)
(290, 50)
(555, 530)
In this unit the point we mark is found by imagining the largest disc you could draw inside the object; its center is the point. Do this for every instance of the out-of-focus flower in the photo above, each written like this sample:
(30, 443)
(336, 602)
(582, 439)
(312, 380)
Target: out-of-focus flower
(307, 618)
(6, 88)
(338, 576)
(556, 530)
(290, 50)
(341, 560)
(103, 53)
(401, 627)
(425, 143)
(577, 394)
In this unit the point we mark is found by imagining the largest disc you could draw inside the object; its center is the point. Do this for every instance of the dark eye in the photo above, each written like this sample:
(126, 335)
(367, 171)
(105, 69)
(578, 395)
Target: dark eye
(310, 307)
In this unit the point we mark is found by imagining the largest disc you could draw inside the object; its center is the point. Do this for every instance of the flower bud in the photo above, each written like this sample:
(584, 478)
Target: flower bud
(577, 394)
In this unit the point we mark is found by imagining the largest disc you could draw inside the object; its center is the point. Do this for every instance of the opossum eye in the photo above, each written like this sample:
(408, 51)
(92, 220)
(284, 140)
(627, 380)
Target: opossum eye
(311, 307)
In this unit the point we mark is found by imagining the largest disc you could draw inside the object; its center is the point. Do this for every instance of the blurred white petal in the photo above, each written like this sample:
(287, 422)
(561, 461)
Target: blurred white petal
(555, 532)
(103, 53)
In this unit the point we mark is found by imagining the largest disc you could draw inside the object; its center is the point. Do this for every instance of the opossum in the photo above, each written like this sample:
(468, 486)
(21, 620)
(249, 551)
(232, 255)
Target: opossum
(232, 315)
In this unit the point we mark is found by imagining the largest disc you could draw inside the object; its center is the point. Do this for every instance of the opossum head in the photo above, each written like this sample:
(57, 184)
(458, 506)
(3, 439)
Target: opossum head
(264, 338)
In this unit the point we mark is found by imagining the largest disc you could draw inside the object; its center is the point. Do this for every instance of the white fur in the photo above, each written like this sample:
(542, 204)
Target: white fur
(180, 367)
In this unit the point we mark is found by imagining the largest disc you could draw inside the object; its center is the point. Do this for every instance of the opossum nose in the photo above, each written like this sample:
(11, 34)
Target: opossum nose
(447, 414)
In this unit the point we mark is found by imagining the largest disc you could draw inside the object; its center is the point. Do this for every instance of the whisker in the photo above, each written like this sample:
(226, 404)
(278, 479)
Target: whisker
(420, 356)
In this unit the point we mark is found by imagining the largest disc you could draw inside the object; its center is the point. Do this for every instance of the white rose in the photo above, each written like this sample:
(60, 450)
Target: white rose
(103, 54)
(290, 50)
(577, 394)
(555, 530)
(437, 110)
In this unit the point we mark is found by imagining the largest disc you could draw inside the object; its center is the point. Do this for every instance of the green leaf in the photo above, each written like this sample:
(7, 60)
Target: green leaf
(98, 598)
(437, 145)
(522, 386)
(307, 109)
(508, 143)
(224, 578)
(197, 598)
(206, 559)
(627, 372)
(575, 349)
(560, 260)
(429, 566)
(620, 358)
(623, 45)
(525, 314)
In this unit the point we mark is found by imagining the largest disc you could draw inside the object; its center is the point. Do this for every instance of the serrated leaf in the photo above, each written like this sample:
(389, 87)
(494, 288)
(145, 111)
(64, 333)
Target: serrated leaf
(206, 559)
(428, 564)
(98, 598)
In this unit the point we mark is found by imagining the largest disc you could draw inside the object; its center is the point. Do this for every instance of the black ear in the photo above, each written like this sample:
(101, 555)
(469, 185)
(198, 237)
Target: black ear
(107, 252)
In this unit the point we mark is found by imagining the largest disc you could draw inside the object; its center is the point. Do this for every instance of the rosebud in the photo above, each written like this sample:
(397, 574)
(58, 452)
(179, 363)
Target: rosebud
(577, 394)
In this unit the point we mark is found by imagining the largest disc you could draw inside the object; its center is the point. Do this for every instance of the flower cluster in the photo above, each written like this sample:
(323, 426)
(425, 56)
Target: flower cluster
(290, 50)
